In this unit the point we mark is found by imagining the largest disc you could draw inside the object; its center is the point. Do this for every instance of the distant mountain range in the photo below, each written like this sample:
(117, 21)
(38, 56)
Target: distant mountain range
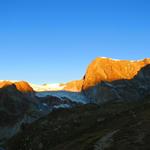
(105, 81)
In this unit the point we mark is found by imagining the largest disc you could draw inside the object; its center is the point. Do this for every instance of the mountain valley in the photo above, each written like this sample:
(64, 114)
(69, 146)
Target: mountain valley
(107, 109)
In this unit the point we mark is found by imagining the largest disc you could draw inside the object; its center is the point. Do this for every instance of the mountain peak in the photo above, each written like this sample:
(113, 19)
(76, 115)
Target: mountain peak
(21, 86)
(108, 69)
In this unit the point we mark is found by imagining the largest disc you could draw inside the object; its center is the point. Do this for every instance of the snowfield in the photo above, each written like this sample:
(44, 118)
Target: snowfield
(47, 87)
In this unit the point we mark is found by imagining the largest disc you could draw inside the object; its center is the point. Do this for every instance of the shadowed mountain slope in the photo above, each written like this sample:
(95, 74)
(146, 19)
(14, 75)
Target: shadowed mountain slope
(111, 126)
(13, 105)
(18, 107)
(121, 90)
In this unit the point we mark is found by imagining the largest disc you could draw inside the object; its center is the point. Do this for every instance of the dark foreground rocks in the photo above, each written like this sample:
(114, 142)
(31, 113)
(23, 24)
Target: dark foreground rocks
(110, 126)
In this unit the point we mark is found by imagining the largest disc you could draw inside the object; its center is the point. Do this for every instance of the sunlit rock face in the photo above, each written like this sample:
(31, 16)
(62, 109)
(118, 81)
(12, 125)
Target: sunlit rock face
(21, 86)
(106, 69)
(5, 83)
(74, 86)
(111, 80)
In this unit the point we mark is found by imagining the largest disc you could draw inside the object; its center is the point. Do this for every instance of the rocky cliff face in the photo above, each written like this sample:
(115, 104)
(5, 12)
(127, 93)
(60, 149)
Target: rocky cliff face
(108, 80)
(106, 69)
(23, 86)
(74, 86)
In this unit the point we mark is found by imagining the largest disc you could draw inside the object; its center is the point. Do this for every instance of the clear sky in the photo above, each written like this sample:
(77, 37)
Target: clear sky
(54, 40)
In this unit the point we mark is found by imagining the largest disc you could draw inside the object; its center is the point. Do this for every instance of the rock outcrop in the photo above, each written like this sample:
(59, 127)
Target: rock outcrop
(21, 86)
(74, 86)
(106, 69)
(109, 80)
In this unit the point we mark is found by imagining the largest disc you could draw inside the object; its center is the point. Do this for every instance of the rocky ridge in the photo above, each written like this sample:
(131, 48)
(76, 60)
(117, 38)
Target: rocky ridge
(111, 80)
(107, 79)
(21, 86)
(107, 69)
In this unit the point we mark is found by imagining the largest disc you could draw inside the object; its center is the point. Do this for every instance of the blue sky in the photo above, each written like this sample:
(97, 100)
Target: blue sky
(54, 40)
